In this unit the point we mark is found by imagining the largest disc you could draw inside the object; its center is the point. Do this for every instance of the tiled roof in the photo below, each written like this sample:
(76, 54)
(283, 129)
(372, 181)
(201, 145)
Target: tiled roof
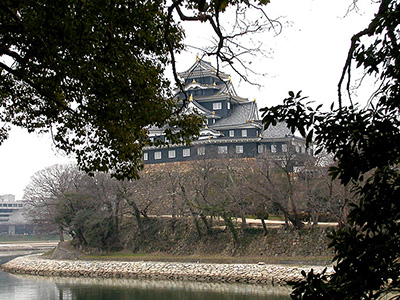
(240, 114)
(200, 67)
(280, 130)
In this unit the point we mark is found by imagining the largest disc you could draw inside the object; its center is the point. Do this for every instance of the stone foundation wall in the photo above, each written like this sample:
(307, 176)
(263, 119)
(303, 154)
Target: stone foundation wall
(243, 273)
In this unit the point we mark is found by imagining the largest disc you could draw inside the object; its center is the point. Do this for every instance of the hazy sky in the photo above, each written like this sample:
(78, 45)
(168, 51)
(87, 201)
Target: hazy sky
(308, 55)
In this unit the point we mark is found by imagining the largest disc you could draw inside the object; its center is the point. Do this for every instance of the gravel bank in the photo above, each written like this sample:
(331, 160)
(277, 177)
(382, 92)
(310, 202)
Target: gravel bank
(243, 273)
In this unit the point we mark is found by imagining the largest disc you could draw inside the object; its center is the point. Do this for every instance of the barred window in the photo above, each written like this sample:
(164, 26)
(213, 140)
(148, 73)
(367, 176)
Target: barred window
(186, 152)
(201, 151)
(239, 149)
(171, 154)
(217, 105)
(222, 149)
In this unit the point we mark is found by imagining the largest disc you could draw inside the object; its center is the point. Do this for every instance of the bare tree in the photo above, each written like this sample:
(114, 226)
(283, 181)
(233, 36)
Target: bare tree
(46, 188)
(230, 21)
(277, 183)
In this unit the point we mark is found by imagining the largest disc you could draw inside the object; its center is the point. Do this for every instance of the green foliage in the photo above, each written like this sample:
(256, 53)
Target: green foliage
(92, 73)
(366, 146)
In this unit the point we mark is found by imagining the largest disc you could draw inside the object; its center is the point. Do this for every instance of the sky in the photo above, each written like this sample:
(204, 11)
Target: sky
(308, 55)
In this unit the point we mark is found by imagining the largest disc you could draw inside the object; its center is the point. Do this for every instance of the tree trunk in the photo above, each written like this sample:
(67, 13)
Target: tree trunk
(244, 224)
(61, 232)
(229, 224)
(264, 227)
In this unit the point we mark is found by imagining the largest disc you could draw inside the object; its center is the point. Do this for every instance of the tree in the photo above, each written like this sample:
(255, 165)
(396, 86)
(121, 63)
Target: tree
(277, 183)
(366, 146)
(44, 192)
(87, 208)
(91, 72)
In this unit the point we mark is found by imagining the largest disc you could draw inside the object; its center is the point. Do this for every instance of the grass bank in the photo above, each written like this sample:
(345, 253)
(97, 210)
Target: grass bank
(219, 259)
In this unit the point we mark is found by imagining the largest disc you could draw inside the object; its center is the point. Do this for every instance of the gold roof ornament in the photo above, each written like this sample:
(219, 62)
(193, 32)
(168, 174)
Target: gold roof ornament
(197, 58)
(206, 127)
(214, 84)
(254, 100)
(230, 79)
(209, 137)
(252, 121)
(191, 98)
(213, 112)
(194, 80)
(212, 69)
(260, 135)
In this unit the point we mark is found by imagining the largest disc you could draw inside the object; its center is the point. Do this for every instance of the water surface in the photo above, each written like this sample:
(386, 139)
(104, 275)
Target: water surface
(25, 287)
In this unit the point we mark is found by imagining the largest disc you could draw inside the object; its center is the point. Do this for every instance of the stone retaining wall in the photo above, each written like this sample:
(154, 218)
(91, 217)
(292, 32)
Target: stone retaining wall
(244, 273)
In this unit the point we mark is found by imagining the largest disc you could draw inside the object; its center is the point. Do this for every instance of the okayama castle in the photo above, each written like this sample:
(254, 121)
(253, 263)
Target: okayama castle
(232, 126)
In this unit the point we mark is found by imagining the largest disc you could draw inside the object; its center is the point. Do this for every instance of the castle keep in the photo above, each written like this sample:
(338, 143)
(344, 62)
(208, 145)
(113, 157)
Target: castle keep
(232, 126)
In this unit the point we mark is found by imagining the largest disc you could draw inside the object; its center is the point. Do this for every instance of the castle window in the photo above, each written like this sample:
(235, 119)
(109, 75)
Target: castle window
(222, 149)
(201, 151)
(171, 154)
(217, 105)
(186, 152)
(244, 133)
(157, 155)
(145, 156)
(239, 149)
(260, 148)
(231, 133)
(284, 148)
(273, 148)
(229, 105)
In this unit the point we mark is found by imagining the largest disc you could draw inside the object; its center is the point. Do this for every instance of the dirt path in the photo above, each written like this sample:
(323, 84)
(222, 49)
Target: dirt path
(22, 246)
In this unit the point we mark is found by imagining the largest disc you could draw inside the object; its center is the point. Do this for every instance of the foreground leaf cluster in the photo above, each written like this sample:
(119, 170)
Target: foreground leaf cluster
(366, 145)
(91, 72)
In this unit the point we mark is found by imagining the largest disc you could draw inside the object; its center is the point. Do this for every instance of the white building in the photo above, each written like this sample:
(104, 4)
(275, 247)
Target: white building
(12, 220)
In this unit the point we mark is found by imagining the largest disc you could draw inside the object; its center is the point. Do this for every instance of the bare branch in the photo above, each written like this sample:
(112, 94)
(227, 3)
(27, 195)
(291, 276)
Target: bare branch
(346, 71)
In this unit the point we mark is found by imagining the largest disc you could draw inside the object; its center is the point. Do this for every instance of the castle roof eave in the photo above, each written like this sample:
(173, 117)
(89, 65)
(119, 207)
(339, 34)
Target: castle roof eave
(247, 125)
(202, 68)
(223, 140)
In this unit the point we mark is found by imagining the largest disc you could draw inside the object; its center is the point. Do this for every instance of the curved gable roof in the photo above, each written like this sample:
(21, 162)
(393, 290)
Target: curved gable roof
(240, 113)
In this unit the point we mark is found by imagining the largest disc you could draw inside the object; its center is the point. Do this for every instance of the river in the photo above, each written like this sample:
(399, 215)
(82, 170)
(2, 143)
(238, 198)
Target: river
(18, 287)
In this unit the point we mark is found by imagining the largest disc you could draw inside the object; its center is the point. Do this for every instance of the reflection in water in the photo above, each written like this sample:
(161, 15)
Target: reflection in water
(24, 287)
(12, 288)
(50, 288)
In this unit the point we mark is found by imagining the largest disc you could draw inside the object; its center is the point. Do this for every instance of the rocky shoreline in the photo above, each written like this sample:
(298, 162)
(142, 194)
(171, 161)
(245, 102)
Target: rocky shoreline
(232, 273)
